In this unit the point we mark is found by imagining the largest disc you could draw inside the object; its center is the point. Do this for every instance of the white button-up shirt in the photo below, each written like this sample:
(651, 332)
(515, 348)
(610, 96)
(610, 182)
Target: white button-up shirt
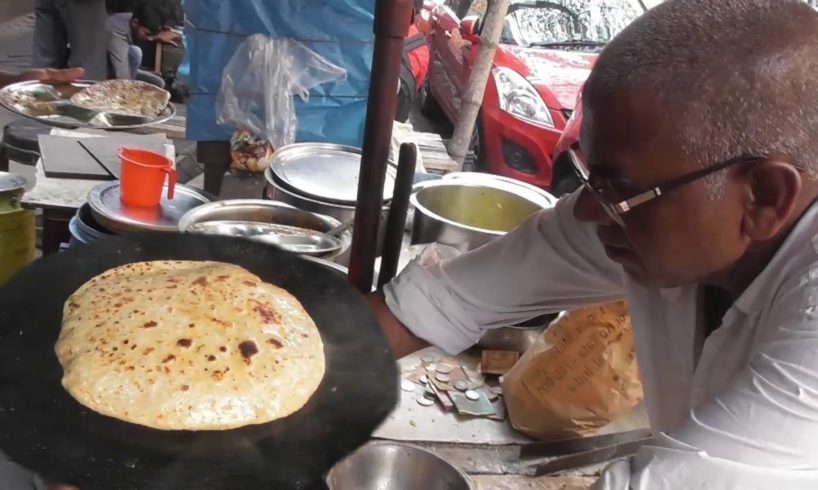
(739, 410)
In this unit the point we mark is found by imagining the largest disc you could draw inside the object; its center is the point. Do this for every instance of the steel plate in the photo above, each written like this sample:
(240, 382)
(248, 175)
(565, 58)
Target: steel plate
(111, 213)
(54, 109)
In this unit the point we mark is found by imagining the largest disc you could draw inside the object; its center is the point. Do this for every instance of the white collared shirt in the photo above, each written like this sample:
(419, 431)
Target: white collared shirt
(744, 416)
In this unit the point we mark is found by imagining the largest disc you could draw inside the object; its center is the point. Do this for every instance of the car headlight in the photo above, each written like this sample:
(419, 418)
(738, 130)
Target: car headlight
(520, 99)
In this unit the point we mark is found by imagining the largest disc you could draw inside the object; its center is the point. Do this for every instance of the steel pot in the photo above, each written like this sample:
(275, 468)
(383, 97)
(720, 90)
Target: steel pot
(263, 211)
(482, 177)
(466, 214)
(386, 465)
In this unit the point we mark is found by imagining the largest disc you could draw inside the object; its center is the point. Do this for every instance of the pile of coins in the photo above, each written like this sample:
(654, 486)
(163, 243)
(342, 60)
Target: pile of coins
(454, 386)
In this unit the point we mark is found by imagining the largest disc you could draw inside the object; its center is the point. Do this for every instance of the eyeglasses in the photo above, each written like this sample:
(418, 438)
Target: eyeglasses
(616, 209)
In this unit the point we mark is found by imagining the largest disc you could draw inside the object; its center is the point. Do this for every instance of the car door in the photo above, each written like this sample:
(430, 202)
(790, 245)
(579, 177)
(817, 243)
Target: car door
(448, 71)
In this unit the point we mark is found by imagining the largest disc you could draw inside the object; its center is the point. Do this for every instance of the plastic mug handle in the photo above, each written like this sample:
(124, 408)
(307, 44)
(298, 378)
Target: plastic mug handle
(171, 180)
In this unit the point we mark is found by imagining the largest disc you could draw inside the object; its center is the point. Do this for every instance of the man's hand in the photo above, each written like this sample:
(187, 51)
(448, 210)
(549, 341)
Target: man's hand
(401, 340)
(169, 37)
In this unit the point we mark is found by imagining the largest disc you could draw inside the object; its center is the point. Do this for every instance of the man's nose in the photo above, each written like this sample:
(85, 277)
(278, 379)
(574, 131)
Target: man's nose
(588, 209)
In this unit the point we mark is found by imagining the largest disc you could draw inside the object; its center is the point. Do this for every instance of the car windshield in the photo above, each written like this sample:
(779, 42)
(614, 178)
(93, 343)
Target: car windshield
(567, 22)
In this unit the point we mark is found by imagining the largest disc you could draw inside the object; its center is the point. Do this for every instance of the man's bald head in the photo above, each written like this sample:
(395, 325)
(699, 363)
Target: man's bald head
(732, 77)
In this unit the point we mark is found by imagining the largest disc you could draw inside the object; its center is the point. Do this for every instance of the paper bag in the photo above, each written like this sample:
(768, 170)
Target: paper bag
(579, 376)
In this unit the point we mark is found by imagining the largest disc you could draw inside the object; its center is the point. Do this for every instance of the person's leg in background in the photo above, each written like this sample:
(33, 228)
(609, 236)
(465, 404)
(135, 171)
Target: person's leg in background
(134, 59)
(119, 45)
(50, 49)
(86, 23)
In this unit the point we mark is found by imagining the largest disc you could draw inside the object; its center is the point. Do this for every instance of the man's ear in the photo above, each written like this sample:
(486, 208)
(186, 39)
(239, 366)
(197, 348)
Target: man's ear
(772, 193)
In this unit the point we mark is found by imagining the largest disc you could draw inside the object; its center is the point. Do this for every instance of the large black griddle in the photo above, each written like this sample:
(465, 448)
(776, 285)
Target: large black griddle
(43, 428)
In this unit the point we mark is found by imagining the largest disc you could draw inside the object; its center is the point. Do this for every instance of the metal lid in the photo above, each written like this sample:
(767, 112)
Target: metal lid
(324, 171)
(11, 182)
(111, 213)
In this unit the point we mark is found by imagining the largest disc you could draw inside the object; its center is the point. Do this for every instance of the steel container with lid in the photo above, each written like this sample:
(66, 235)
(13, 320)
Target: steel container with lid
(323, 178)
(17, 229)
(324, 172)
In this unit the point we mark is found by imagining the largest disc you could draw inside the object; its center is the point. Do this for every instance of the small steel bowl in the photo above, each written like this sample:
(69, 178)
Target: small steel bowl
(390, 466)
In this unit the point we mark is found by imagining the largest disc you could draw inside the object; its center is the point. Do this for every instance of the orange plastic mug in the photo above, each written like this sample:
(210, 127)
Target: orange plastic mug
(142, 176)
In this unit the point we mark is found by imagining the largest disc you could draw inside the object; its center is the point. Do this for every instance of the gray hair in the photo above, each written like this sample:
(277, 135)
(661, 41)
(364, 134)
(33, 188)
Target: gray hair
(739, 77)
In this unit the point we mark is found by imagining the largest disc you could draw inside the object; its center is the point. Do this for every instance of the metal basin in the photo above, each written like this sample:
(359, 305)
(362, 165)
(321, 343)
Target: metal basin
(262, 212)
(389, 466)
(466, 214)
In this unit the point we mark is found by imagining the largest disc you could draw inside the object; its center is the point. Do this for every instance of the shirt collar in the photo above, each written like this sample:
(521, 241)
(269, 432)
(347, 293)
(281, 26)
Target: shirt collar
(795, 245)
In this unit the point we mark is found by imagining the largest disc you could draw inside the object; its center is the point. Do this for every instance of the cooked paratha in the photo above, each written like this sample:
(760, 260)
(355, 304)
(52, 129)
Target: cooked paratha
(130, 97)
(183, 345)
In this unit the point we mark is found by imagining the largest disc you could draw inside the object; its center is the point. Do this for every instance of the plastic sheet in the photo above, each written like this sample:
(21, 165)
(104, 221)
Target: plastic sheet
(260, 81)
(340, 31)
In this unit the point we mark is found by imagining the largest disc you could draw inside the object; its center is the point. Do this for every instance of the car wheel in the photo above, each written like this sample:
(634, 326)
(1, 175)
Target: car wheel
(428, 105)
(477, 147)
(563, 180)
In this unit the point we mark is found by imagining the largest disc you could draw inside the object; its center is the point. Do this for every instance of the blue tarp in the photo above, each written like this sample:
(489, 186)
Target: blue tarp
(339, 30)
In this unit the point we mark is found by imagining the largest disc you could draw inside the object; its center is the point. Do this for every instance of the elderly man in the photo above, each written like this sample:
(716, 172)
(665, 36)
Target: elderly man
(698, 135)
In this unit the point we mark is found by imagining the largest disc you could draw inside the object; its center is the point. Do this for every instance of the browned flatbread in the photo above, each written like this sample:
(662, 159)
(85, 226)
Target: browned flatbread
(183, 345)
(130, 97)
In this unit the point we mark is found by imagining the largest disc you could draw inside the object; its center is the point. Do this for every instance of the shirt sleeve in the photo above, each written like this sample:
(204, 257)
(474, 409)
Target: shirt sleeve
(759, 433)
(549, 264)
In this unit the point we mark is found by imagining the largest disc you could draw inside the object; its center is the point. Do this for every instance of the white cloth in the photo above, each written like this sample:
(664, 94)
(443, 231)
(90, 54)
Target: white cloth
(744, 416)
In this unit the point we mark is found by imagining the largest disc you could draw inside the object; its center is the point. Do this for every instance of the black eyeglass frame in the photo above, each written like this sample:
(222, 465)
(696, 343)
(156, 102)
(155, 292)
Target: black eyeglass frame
(618, 209)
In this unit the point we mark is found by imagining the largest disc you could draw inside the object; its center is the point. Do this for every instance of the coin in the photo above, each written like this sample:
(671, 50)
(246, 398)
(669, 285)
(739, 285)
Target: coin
(424, 379)
(425, 402)
(443, 378)
(445, 368)
(472, 395)
(430, 368)
(407, 386)
(428, 358)
(461, 385)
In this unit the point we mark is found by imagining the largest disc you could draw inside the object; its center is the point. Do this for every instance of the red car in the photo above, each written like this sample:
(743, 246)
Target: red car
(563, 178)
(546, 52)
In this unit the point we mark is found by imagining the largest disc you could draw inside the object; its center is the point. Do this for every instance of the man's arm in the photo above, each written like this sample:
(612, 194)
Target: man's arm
(46, 75)
(549, 264)
(401, 339)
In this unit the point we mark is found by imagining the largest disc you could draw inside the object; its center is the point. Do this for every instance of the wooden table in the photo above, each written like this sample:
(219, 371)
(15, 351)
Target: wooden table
(59, 199)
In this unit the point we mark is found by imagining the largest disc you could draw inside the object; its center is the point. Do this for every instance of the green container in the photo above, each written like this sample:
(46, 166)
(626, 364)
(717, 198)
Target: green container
(17, 228)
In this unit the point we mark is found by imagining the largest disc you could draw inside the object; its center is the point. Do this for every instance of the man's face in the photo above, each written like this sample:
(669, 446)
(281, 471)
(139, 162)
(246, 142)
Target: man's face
(683, 237)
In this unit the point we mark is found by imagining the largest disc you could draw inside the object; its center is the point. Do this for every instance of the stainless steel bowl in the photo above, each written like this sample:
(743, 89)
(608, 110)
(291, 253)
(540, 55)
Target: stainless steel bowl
(263, 212)
(466, 213)
(344, 214)
(390, 466)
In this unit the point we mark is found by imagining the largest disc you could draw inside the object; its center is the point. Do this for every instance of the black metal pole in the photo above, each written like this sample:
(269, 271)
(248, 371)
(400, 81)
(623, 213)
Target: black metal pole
(392, 19)
(395, 225)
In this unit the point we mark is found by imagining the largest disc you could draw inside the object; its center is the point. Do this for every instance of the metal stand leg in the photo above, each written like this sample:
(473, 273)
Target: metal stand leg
(215, 156)
(55, 229)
